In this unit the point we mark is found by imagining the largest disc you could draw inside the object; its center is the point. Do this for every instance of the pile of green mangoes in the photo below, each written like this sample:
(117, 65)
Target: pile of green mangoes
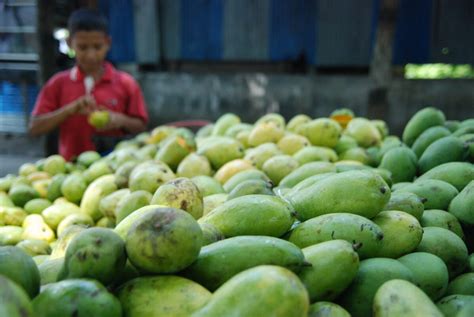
(311, 217)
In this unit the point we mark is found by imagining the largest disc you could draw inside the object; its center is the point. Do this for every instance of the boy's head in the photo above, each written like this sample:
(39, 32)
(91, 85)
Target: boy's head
(89, 39)
(87, 20)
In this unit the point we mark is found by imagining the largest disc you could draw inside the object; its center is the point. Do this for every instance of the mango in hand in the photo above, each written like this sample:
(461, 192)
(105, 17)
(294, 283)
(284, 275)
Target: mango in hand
(99, 119)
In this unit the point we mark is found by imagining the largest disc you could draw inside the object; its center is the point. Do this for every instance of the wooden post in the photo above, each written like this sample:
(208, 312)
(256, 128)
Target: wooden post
(46, 62)
(381, 64)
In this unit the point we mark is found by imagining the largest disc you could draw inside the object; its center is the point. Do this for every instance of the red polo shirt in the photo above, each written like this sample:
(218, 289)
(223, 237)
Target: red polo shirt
(116, 90)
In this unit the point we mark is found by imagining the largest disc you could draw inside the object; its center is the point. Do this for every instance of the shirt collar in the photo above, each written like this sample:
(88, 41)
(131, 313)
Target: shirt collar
(77, 75)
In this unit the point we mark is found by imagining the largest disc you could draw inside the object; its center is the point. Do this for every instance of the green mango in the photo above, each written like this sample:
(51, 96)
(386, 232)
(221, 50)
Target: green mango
(349, 189)
(429, 273)
(162, 296)
(401, 162)
(207, 185)
(462, 206)
(407, 202)
(14, 301)
(444, 150)
(448, 246)
(64, 239)
(175, 231)
(297, 121)
(251, 187)
(220, 261)
(54, 188)
(49, 270)
(54, 164)
(355, 154)
(194, 165)
(73, 187)
(292, 143)
(172, 151)
(180, 193)
(305, 171)
(19, 267)
(37, 205)
(334, 264)
(106, 222)
(273, 117)
(240, 177)
(458, 174)
(5, 201)
(260, 154)
(442, 219)
(210, 234)
(55, 213)
(108, 204)
(12, 216)
(224, 123)
(422, 120)
(402, 233)
(436, 194)
(212, 201)
(10, 235)
(40, 258)
(6, 182)
(307, 182)
(97, 190)
(21, 194)
(265, 132)
(122, 174)
(96, 253)
(36, 228)
(149, 175)
(264, 291)
(131, 202)
(453, 304)
(74, 219)
(220, 150)
(321, 132)
(427, 137)
(122, 228)
(364, 132)
(463, 284)
(345, 143)
(96, 170)
(397, 186)
(397, 298)
(315, 153)
(76, 297)
(359, 296)
(235, 129)
(452, 125)
(87, 158)
(327, 309)
(364, 234)
(34, 247)
(381, 126)
(251, 215)
(279, 166)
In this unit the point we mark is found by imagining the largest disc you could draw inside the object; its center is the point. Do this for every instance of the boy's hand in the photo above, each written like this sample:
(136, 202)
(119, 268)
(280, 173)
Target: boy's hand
(83, 105)
(116, 121)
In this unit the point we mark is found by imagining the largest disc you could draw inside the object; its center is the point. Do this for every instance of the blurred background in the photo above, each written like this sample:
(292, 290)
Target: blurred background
(198, 59)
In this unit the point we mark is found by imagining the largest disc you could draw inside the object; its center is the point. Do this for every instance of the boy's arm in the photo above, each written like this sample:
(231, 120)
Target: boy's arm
(44, 123)
(122, 121)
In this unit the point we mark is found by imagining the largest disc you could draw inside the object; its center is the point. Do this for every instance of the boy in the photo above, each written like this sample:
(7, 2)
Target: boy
(65, 102)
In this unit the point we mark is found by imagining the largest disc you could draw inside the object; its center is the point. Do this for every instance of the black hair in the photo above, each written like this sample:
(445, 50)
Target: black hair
(87, 20)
